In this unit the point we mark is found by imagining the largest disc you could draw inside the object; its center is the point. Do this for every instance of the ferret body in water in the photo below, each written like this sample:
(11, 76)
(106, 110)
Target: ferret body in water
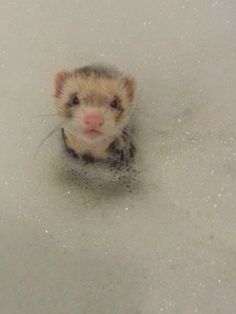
(95, 104)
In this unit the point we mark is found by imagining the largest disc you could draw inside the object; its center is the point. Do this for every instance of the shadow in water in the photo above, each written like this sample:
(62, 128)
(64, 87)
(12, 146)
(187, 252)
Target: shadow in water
(99, 181)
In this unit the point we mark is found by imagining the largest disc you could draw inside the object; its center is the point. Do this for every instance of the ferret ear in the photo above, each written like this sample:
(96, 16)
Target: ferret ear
(59, 80)
(129, 84)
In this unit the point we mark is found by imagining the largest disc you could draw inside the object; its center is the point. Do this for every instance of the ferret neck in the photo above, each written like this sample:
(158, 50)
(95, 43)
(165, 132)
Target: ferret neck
(97, 150)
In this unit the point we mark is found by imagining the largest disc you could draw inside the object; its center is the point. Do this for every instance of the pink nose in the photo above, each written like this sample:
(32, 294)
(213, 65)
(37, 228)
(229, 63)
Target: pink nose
(93, 120)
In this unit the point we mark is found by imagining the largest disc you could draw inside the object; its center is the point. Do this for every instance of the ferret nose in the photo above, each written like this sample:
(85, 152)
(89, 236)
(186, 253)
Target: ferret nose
(93, 120)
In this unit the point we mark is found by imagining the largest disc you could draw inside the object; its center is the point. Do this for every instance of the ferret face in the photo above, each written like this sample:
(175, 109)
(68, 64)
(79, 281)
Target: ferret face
(93, 107)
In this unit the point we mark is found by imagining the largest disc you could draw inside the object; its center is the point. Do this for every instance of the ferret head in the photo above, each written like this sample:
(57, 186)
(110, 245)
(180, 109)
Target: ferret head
(94, 104)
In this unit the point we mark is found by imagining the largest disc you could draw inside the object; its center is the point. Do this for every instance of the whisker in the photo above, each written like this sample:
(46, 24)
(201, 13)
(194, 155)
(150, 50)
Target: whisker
(44, 115)
(46, 138)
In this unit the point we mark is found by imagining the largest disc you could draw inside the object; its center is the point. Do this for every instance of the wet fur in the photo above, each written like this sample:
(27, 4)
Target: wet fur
(96, 86)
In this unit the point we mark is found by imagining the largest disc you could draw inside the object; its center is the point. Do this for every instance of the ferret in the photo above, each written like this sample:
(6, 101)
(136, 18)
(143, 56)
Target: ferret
(94, 104)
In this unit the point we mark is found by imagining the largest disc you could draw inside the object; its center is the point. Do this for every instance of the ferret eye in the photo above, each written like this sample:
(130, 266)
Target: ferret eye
(114, 104)
(74, 101)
